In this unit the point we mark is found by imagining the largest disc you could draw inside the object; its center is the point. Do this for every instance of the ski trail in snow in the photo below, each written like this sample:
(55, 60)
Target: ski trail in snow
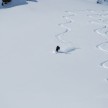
(101, 19)
(101, 48)
(103, 64)
(69, 20)
(60, 36)
(102, 31)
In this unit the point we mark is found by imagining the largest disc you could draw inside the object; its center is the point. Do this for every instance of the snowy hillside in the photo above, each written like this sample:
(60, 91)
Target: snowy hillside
(33, 75)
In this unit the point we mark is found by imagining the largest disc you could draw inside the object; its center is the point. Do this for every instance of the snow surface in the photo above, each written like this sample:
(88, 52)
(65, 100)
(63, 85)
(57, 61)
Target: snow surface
(33, 76)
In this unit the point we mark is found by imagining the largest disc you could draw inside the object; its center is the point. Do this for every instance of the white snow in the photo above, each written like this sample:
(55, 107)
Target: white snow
(32, 75)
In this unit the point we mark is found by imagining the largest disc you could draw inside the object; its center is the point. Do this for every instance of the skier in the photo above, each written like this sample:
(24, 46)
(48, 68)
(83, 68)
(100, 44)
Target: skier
(57, 48)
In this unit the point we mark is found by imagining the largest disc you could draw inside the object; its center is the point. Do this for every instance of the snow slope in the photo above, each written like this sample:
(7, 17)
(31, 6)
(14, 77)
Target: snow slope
(33, 76)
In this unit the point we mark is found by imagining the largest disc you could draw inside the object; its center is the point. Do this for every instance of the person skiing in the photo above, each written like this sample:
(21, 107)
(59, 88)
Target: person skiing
(57, 48)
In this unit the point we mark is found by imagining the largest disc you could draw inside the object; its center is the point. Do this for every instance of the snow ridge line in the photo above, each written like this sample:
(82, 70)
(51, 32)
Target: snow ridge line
(102, 31)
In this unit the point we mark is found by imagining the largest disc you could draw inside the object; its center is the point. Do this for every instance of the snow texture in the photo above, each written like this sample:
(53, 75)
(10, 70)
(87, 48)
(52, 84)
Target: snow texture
(33, 75)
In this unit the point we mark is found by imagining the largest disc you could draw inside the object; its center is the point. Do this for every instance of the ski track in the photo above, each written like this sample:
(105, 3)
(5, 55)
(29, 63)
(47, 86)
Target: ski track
(60, 36)
(101, 19)
(100, 46)
(101, 31)
(103, 64)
